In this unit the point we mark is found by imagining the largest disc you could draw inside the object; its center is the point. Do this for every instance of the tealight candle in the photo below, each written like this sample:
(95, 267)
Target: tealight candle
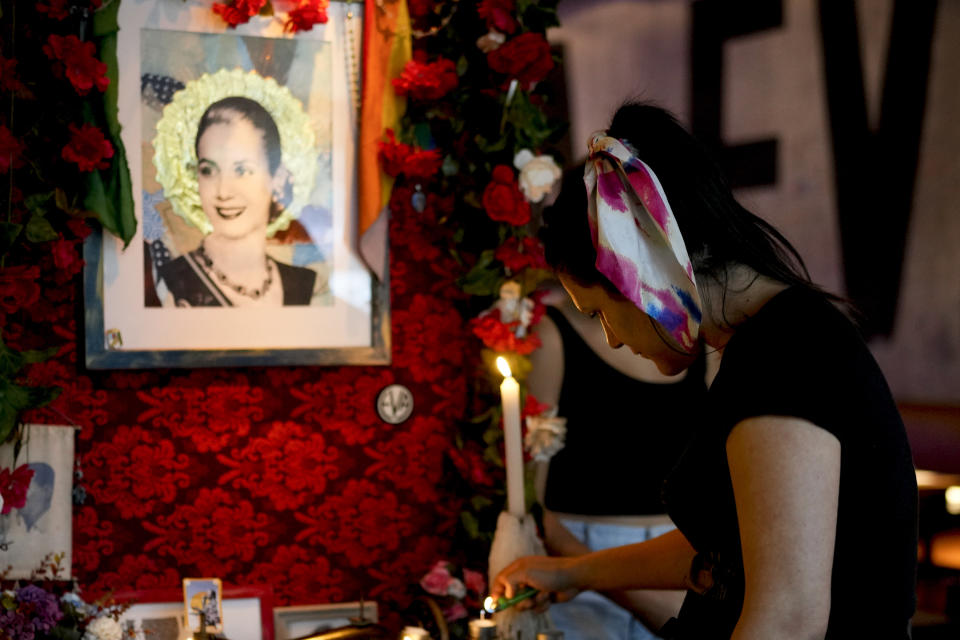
(483, 629)
(414, 633)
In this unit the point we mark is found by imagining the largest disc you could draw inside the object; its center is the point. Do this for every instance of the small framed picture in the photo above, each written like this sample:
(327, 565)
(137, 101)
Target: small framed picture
(202, 597)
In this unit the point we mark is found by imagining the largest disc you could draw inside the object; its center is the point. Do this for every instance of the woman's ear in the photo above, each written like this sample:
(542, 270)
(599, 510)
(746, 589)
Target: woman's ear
(281, 186)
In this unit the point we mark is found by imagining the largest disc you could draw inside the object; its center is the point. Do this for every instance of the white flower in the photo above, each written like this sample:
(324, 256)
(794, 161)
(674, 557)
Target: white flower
(456, 589)
(103, 628)
(491, 41)
(546, 434)
(538, 174)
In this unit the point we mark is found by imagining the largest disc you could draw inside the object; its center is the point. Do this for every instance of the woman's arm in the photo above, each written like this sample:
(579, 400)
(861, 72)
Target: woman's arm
(660, 563)
(786, 482)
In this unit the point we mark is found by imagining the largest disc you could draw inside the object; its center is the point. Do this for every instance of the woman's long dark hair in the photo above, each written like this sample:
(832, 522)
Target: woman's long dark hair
(718, 231)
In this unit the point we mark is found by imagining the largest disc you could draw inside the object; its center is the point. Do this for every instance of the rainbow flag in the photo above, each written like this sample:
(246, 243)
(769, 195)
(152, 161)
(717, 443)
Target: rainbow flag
(387, 47)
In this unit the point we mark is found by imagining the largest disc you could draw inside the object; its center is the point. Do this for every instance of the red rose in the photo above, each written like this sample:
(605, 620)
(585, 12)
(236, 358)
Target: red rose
(393, 154)
(517, 255)
(497, 335)
(83, 70)
(88, 148)
(10, 150)
(238, 11)
(13, 487)
(65, 256)
(9, 81)
(18, 287)
(503, 199)
(526, 58)
(419, 8)
(423, 164)
(79, 228)
(532, 406)
(307, 14)
(56, 9)
(426, 80)
(498, 14)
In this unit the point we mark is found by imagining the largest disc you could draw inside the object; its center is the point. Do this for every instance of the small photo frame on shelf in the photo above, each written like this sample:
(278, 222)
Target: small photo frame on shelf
(159, 614)
(242, 149)
(305, 620)
(202, 599)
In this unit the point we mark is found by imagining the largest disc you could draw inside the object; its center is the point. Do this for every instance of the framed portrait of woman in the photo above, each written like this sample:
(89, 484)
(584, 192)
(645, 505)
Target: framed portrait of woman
(241, 145)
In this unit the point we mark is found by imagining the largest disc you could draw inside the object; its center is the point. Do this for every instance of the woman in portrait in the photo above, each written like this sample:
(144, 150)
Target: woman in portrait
(242, 185)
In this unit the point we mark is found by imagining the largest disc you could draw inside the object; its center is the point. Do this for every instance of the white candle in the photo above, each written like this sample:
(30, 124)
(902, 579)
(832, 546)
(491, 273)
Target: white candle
(512, 440)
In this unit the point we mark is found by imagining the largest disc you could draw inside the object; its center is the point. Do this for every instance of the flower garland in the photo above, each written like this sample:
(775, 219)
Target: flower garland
(476, 143)
(302, 17)
(58, 166)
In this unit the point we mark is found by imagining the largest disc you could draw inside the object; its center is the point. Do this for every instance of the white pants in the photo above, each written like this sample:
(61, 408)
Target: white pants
(591, 616)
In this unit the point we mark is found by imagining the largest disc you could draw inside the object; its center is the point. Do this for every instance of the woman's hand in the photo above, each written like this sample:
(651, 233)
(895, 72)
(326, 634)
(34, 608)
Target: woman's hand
(554, 577)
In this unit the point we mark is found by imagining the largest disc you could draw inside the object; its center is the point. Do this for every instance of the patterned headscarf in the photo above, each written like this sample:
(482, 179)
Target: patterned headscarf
(639, 246)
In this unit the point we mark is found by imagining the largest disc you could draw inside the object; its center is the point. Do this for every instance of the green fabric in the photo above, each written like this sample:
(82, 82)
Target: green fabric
(109, 192)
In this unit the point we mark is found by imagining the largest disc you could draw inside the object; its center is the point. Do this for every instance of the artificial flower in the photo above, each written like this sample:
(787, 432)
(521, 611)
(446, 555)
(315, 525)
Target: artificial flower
(238, 11)
(426, 80)
(500, 336)
(422, 163)
(545, 435)
(19, 288)
(9, 80)
(490, 41)
(56, 9)
(307, 14)
(103, 628)
(419, 8)
(518, 254)
(82, 68)
(470, 463)
(538, 174)
(393, 154)
(437, 580)
(498, 14)
(526, 58)
(65, 256)
(88, 148)
(10, 150)
(14, 486)
(503, 200)
(474, 581)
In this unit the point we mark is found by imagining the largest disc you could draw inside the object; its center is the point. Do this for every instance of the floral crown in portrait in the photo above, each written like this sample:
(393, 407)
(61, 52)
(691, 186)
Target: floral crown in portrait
(175, 155)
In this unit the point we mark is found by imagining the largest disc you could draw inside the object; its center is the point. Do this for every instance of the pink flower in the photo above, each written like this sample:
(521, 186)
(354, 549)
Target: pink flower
(13, 487)
(474, 581)
(437, 580)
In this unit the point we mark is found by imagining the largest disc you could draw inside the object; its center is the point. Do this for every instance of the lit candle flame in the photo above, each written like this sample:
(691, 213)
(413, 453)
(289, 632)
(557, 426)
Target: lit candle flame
(504, 366)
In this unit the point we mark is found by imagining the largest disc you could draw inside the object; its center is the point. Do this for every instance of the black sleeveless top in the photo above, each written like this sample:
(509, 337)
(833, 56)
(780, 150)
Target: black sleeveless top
(799, 356)
(623, 435)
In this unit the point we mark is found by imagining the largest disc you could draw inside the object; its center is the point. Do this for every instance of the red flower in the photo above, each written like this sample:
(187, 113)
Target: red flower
(9, 81)
(532, 406)
(419, 8)
(238, 11)
(393, 154)
(517, 254)
(88, 148)
(499, 336)
(83, 69)
(65, 256)
(426, 80)
(18, 287)
(423, 164)
(526, 58)
(470, 463)
(307, 14)
(10, 149)
(13, 487)
(503, 199)
(56, 9)
(498, 14)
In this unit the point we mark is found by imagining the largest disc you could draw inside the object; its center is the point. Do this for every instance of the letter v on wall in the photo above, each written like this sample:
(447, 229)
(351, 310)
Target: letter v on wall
(875, 171)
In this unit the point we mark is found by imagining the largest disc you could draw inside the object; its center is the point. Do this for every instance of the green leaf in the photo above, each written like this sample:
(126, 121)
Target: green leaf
(32, 356)
(9, 231)
(37, 202)
(483, 279)
(450, 167)
(480, 502)
(470, 524)
(462, 65)
(39, 229)
(490, 147)
(11, 361)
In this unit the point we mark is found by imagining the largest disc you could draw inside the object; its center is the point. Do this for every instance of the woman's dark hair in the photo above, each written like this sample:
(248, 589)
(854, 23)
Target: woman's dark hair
(717, 230)
(254, 113)
(260, 118)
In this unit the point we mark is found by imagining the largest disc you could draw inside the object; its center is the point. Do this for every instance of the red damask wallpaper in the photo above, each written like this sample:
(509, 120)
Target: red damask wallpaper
(282, 476)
